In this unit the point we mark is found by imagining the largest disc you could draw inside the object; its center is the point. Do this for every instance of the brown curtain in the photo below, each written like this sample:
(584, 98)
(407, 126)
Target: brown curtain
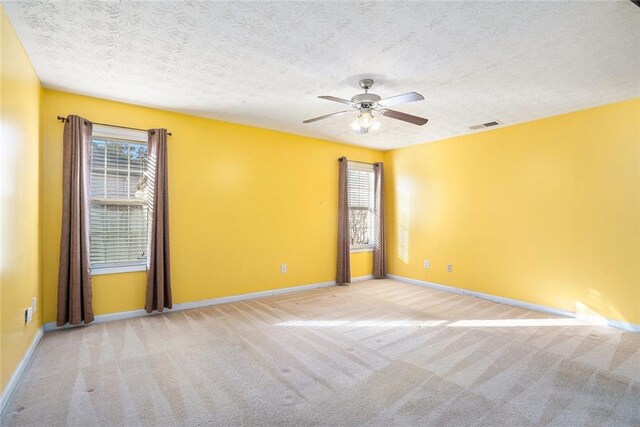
(158, 273)
(379, 250)
(74, 274)
(343, 275)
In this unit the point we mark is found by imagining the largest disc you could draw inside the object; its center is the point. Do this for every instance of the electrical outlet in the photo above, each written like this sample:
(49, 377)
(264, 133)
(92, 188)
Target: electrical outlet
(450, 268)
(283, 268)
(28, 315)
(426, 263)
(34, 305)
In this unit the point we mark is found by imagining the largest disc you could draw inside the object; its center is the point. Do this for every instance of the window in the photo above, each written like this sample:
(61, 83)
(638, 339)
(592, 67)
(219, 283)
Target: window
(119, 190)
(360, 189)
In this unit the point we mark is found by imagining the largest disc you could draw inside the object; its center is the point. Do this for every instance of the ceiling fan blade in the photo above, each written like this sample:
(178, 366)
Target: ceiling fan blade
(315, 119)
(401, 99)
(405, 117)
(336, 99)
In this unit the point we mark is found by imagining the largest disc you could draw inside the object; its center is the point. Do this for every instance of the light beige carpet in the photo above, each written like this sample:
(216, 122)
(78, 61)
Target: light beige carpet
(374, 353)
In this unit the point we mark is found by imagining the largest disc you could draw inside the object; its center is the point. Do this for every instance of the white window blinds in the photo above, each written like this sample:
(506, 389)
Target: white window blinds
(360, 189)
(118, 198)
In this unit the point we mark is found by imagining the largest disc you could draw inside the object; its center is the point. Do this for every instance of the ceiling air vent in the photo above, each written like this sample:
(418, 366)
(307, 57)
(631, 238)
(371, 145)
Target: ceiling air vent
(486, 125)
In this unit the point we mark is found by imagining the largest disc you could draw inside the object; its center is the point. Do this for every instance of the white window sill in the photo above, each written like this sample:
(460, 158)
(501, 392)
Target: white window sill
(118, 269)
(357, 249)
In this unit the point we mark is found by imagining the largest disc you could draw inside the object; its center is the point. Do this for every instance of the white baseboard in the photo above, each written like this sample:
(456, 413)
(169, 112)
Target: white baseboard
(517, 303)
(13, 381)
(51, 326)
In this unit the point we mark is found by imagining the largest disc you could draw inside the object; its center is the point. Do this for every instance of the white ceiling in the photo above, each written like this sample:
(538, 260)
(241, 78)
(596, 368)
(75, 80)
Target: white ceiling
(264, 63)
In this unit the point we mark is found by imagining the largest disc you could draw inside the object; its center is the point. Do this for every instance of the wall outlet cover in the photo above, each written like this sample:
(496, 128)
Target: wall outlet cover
(283, 268)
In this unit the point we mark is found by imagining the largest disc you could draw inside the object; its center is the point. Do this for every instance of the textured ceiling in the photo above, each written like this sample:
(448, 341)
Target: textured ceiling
(264, 63)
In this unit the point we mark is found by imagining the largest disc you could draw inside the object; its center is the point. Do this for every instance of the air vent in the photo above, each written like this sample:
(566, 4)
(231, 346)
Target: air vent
(486, 125)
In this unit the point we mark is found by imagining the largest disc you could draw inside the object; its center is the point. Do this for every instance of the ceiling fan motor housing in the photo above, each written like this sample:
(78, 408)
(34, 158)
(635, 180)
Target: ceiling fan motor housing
(366, 100)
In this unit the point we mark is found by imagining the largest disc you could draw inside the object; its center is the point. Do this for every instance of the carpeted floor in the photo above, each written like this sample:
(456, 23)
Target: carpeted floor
(374, 353)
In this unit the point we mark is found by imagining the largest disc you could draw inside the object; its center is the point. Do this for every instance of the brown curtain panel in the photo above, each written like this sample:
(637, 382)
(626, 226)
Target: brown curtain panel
(379, 250)
(343, 275)
(158, 273)
(74, 274)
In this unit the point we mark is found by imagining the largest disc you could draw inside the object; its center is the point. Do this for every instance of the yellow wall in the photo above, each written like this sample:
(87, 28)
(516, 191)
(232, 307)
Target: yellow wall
(243, 200)
(19, 189)
(546, 212)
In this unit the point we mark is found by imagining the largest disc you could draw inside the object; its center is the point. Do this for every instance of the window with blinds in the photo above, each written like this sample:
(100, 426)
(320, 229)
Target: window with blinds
(360, 190)
(119, 193)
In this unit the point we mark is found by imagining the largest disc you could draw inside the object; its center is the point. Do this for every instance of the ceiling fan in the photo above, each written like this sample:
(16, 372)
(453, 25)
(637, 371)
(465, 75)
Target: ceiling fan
(366, 103)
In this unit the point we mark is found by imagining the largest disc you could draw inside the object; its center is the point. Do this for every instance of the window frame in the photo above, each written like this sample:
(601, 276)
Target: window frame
(365, 167)
(122, 134)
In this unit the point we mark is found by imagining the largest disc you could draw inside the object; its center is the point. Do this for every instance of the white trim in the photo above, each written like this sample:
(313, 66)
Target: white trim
(361, 248)
(15, 378)
(116, 132)
(115, 269)
(517, 303)
(51, 326)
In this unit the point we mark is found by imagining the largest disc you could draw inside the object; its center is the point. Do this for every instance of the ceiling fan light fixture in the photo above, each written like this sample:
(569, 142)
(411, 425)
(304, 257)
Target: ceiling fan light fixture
(355, 125)
(364, 122)
(365, 119)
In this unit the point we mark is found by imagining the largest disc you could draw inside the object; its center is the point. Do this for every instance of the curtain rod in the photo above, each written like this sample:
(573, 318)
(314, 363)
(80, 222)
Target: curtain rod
(356, 161)
(64, 119)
